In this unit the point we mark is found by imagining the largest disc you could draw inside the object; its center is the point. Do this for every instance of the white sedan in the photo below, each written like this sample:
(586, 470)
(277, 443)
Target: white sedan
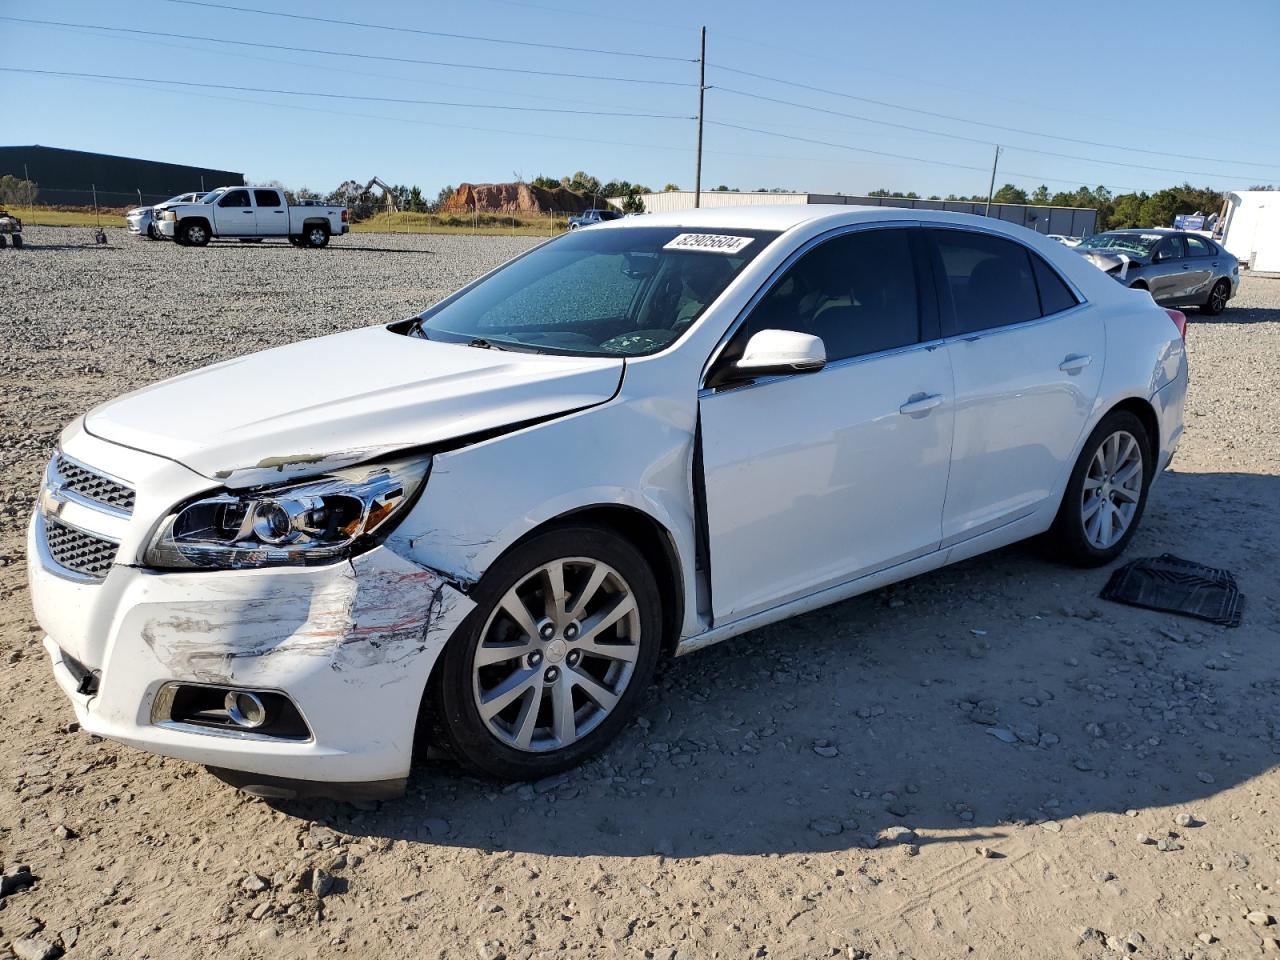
(487, 524)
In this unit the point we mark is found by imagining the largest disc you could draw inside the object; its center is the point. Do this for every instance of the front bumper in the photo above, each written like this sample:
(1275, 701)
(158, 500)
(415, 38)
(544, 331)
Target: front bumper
(167, 228)
(352, 644)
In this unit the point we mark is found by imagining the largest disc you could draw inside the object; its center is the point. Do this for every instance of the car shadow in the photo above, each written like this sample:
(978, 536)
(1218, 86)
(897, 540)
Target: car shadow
(1236, 314)
(995, 692)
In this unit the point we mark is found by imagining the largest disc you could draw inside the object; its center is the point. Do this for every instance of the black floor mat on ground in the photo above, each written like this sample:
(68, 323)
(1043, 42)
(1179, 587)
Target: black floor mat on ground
(1178, 586)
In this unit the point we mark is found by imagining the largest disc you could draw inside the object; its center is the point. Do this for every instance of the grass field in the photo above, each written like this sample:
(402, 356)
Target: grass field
(485, 225)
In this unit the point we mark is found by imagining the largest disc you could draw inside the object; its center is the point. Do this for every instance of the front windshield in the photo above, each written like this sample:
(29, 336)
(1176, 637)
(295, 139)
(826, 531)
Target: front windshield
(618, 291)
(1139, 243)
(180, 198)
(211, 196)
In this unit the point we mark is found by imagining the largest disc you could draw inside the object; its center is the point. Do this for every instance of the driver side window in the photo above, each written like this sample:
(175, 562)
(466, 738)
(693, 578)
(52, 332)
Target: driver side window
(857, 292)
(235, 198)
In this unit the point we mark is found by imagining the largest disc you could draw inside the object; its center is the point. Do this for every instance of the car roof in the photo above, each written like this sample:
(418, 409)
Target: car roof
(785, 216)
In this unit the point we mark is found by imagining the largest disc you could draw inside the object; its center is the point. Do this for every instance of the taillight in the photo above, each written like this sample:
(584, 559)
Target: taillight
(344, 214)
(1179, 320)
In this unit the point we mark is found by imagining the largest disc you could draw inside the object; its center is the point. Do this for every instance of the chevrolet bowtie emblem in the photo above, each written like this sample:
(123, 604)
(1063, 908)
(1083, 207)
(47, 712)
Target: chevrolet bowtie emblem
(51, 499)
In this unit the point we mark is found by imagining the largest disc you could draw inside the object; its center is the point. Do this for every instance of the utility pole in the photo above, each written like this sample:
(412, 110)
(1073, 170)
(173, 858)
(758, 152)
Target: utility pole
(702, 91)
(992, 189)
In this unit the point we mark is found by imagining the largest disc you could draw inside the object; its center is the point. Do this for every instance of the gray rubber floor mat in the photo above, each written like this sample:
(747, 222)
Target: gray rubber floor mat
(1178, 586)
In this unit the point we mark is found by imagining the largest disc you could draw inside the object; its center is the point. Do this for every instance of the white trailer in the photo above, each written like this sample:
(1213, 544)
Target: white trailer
(1249, 228)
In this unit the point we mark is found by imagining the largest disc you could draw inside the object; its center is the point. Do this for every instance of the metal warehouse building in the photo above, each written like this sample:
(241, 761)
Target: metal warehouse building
(70, 177)
(1066, 221)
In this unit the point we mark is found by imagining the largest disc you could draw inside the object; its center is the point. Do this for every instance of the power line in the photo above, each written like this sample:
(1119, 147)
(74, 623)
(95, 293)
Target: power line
(981, 123)
(347, 96)
(987, 143)
(351, 54)
(894, 156)
(398, 28)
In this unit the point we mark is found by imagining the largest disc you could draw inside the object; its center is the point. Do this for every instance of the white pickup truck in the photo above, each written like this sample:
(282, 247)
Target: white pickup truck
(251, 213)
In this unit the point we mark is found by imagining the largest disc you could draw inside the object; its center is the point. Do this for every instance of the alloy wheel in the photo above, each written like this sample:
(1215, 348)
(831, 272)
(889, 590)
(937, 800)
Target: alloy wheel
(1112, 490)
(1218, 297)
(556, 654)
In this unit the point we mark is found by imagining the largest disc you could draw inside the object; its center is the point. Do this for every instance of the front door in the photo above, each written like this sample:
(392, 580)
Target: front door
(1168, 281)
(233, 215)
(272, 214)
(814, 479)
(1027, 357)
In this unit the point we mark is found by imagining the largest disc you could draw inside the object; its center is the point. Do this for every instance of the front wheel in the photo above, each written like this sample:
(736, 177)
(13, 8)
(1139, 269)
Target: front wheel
(1106, 493)
(194, 234)
(17, 241)
(555, 657)
(1218, 298)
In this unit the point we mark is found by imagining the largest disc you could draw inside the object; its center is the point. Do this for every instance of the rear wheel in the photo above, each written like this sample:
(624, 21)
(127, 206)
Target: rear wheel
(316, 236)
(194, 233)
(17, 241)
(555, 657)
(4, 241)
(1218, 298)
(1106, 493)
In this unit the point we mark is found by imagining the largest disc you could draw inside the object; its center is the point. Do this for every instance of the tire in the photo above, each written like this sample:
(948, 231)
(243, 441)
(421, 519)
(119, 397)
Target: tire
(17, 241)
(553, 658)
(4, 241)
(153, 232)
(315, 236)
(1075, 536)
(194, 233)
(1218, 298)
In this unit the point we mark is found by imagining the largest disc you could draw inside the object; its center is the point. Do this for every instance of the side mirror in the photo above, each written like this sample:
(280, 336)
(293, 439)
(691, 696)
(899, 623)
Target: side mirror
(776, 352)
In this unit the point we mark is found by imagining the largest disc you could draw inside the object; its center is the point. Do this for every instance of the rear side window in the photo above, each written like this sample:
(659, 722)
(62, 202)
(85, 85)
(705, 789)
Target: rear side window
(989, 278)
(1055, 295)
(857, 292)
(1170, 249)
(266, 198)
(1197, 247)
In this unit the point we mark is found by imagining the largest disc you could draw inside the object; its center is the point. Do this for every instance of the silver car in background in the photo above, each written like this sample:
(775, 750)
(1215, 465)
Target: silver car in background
(1177, 268)
(142, 220)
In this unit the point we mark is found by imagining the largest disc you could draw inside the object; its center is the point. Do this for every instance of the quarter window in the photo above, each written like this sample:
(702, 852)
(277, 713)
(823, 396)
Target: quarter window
(235, 198)
(266, 198)
(857, 292)
(1055, 296)
(989, 278)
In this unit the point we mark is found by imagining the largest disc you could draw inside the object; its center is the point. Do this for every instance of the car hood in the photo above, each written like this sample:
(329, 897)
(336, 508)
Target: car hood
(1110, 259)
(137, 211)
(320, 404)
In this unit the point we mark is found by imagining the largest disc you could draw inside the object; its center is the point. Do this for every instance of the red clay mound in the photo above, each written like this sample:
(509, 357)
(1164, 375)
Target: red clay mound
(515, 198)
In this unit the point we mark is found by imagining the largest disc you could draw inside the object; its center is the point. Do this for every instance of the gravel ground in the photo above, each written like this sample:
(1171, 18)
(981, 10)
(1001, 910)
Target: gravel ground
(830, 786)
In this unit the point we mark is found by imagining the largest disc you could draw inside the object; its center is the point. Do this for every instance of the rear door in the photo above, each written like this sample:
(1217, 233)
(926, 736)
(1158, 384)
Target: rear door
(1027, 356)
(233, 215)
(814, 479)
(272, 214)
(1200, 269)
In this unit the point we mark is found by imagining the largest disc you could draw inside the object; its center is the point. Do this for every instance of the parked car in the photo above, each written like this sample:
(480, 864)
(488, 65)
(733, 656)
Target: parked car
(1065, 241)
(10, 230)
(1177, 268)
(143, 221)
(252, 213)
(591, 217)
(627, 443)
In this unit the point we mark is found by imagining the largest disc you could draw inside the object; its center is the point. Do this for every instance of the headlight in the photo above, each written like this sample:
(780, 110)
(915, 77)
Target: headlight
(297, 524)
(169, 215)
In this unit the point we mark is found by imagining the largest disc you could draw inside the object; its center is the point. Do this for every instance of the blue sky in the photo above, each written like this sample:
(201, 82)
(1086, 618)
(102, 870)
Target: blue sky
(1187, 87)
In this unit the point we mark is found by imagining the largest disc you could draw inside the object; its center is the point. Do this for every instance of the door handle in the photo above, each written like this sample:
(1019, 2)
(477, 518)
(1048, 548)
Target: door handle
(919, 404)
(1075, 363)
(249, 212)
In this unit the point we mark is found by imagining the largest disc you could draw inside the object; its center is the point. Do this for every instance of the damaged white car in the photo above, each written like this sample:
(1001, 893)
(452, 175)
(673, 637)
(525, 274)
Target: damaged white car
(487, 524)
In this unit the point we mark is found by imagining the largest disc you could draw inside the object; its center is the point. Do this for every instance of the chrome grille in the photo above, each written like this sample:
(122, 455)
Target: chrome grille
(76, 550)
(94, 486)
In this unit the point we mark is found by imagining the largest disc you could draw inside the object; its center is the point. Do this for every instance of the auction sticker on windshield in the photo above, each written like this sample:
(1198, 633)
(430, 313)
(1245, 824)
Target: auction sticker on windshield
(710, 242)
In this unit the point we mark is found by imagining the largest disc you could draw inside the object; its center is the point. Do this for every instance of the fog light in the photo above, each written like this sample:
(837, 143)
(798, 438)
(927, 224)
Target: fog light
(245, 709)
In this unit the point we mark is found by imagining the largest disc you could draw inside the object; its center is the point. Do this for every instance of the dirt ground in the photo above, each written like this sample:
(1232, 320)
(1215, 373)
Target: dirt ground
(838, 785)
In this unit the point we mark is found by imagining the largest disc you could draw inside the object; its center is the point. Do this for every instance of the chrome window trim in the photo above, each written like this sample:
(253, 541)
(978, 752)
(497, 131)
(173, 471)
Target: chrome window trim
(767, 286)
